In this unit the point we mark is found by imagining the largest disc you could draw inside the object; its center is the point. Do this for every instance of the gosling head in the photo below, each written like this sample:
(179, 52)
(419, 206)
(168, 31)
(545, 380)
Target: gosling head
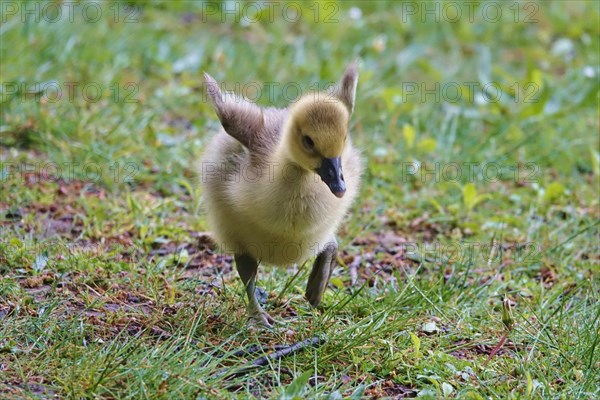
(317, 131)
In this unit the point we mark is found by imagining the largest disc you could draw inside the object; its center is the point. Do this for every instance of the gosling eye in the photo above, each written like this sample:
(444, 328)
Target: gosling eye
(308, 143)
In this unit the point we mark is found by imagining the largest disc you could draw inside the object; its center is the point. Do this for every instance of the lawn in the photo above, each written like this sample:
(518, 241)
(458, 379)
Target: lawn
(477, 224)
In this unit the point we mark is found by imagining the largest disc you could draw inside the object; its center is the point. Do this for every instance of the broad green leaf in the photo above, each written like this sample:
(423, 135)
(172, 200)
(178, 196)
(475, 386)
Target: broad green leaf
(469, 195)
(337, 282)
(553, 192)
(529, 384)
(433, 379)
(535, 77)
(358, 393)
(295, 389)
(416, 342)
(473, 396)
(392, 97)
(134, 206)
(355, 358)
(426, 145)
(534, 99)
(186, 184)
(514, 133)
(437, 205)
(143, 231)
(409, 135)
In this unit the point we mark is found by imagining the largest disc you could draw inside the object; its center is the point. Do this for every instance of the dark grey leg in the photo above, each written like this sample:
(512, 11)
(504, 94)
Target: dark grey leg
(247, 267)
(321, 272)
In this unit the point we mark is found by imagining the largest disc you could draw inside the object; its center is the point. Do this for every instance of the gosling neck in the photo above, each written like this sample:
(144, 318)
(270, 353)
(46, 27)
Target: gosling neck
(283, 162)
(282, 158)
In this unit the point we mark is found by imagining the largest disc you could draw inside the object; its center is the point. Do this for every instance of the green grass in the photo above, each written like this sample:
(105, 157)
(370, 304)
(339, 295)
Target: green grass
(110, 289)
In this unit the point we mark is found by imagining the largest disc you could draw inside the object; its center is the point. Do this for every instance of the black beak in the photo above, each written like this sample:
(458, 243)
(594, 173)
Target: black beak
(331, 173)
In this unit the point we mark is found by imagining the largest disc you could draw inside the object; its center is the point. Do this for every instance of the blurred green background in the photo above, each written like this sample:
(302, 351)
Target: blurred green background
(103, 118)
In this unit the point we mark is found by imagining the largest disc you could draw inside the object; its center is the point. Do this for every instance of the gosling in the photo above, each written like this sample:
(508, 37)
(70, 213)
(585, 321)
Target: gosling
(277, 183)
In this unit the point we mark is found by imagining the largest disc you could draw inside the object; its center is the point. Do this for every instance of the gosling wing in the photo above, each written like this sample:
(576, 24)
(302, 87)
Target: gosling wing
(258, 129)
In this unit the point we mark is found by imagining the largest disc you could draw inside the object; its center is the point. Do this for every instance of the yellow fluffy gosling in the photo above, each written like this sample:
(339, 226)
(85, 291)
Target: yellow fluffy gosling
(277, 183)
